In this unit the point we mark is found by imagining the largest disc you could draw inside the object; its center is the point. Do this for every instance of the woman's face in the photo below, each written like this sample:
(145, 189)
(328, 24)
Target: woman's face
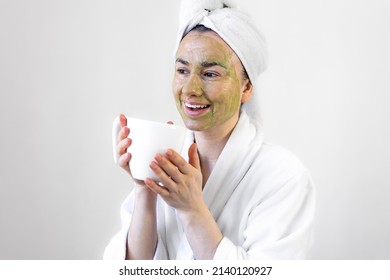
(208, 83)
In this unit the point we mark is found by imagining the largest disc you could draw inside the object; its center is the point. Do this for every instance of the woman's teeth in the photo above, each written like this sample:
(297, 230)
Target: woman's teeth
(191, 106)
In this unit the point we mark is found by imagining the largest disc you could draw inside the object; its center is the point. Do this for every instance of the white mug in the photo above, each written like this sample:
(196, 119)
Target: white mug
(148, 139)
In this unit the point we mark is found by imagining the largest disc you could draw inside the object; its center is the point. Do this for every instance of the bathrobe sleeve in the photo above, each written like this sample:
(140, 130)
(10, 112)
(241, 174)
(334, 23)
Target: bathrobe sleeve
(279, 227)
(116, 249)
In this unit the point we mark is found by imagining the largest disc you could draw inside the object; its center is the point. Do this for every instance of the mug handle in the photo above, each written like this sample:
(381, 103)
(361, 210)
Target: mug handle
(116, 127)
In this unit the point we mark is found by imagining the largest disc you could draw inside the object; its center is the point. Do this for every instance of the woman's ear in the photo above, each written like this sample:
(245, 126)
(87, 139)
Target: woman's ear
(246, 91)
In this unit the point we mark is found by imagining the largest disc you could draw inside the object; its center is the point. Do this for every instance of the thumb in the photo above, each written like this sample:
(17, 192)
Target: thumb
(193, 156)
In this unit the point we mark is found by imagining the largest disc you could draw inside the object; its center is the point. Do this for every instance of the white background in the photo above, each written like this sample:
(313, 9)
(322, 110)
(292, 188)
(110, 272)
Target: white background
(67, 68)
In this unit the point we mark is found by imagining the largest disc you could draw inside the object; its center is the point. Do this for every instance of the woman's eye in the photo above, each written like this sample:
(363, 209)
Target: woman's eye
(182, 71)
(210, 75)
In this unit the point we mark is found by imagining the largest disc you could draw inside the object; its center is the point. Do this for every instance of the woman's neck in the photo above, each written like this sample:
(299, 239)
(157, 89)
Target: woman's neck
(210, 144)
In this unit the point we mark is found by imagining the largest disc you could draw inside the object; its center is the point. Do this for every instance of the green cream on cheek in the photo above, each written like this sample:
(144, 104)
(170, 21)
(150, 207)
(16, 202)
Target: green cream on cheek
(231, 99)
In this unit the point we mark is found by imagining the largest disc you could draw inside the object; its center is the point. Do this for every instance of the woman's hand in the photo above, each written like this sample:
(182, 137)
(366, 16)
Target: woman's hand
(182, 189)
(123, 144)
(182, 181)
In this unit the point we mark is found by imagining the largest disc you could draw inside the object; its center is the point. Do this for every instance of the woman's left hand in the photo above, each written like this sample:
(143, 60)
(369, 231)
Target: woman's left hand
(182, 181)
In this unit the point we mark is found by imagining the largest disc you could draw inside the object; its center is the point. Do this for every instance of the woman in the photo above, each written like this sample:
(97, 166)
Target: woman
(233, 196)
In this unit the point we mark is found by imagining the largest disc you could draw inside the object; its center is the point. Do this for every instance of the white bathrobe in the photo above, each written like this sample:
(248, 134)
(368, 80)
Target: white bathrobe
(260, 195)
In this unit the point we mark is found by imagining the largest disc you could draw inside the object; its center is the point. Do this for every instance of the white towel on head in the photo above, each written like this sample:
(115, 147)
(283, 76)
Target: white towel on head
(191, 8)
(235, 28)
(232, 25)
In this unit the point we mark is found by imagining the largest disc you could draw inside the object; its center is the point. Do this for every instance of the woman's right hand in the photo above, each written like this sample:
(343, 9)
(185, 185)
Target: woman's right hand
(123, 143)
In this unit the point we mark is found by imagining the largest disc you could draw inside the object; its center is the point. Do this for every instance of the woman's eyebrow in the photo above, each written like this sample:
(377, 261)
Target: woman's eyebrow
(182, 61)
(207, 64)
(204, 64)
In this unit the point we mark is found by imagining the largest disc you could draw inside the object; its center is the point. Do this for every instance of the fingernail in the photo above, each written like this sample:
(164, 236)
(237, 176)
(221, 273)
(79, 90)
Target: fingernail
(158, 156)
(153, 165)
(169, 153)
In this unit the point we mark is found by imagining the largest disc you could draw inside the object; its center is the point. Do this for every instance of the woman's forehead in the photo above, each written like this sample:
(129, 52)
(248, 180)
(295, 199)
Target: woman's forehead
(205, 45)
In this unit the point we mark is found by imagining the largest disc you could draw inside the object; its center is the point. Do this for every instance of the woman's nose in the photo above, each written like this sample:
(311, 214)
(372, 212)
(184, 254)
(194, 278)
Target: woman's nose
(193, 86)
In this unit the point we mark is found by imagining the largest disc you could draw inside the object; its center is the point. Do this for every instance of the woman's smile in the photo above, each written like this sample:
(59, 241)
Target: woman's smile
(194, 109)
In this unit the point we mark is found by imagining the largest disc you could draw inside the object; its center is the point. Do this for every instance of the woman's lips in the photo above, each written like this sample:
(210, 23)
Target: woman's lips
(195, 109)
